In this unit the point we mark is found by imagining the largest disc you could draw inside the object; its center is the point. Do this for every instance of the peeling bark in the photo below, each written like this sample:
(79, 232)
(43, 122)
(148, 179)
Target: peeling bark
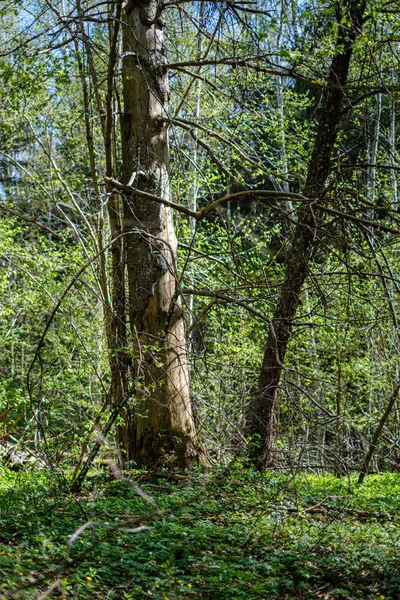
(161, 430)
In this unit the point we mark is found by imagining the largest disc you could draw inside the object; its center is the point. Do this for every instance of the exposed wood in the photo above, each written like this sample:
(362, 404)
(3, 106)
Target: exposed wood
(161, 428)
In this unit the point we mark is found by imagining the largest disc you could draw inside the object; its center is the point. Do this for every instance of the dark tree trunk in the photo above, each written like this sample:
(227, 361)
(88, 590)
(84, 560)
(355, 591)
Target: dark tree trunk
(119, 359)
(261, 410)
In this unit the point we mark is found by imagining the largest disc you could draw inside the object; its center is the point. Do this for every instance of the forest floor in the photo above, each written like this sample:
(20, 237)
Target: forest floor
(226, 535)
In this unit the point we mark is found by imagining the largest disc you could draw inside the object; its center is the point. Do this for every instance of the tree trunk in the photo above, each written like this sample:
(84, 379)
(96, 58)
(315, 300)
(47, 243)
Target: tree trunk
(161, 429)
(377, 433)
(392, 145)
(119, 357)
(262, 405)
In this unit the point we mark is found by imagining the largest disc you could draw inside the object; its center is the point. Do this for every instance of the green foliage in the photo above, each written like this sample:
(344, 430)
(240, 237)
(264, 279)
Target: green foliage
(231, 534)
(63, 382)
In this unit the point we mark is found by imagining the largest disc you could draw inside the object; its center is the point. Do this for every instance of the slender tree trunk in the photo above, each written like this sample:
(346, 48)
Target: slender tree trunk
(114, 308)
(285, 186)
(373, 151)
(392, 142)
(377, 433)
(373, 146)
(119, 357)
(261, 410)
(195, 184)
(281, 112)
(162, 429)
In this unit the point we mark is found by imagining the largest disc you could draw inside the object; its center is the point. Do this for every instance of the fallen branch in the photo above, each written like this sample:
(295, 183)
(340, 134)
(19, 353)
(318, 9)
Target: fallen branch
(165, 475)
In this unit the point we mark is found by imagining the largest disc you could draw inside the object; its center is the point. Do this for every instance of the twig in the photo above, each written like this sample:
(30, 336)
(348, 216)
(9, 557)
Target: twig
(33, 220)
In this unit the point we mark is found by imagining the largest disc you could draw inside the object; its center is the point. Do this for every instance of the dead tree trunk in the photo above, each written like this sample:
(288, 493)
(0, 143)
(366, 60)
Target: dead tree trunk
(261, 409)
(161, 429)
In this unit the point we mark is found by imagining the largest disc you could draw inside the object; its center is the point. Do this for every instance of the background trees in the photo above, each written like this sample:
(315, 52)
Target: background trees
(267, 111)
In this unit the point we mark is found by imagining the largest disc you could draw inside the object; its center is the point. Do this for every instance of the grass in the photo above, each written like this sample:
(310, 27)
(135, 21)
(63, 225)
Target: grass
(231, 534)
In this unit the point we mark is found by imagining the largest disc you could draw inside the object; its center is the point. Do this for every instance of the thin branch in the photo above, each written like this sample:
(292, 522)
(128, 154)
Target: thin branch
(127, 189)
(367, 166)
(190, 125)
(262, 195)
(228, 300)
(361, 220)
(33, 220)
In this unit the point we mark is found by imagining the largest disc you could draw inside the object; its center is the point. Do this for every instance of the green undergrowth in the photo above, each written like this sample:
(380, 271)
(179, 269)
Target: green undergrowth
(229, 534)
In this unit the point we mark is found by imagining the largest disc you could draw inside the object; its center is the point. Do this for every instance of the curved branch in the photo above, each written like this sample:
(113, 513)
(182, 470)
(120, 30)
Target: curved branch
(264, 196)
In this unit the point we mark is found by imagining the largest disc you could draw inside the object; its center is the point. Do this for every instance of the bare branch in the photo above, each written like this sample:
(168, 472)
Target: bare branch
(33, 220)
(262, 196)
